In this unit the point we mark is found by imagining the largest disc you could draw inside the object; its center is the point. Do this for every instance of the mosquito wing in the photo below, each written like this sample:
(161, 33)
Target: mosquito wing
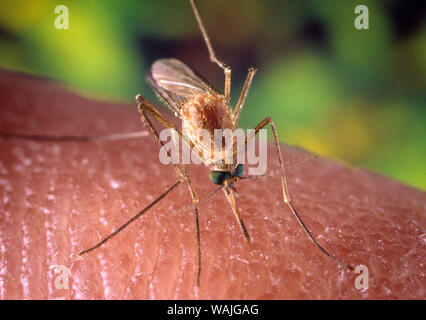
(175, 82)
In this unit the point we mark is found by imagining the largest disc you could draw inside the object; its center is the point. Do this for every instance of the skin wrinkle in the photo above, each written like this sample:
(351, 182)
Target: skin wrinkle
(184, 268)
(103, 260)
(6, 224)
(145, 259)
(354, 215)
(180, 262)
(153, 274)
(20, 252)
(32, 227)
(24, 258)
(48, 237)
(7, 240)
(85, 285)
(43, 283)
(71, 245)
(110, 185)
(49, 243)
(135, 267)
(52, 245)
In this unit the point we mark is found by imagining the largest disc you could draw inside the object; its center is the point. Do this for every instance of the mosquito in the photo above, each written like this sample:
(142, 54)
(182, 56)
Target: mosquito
(199, 107)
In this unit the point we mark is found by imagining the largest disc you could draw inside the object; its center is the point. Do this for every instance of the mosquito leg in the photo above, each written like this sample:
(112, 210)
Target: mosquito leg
(243, 95)
(145, 106)
(286, 195)
(181, 172)
(44, 138)
(212, 54)
(131, 220)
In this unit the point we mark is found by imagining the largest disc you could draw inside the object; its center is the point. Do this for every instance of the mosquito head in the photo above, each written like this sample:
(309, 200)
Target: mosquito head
(219, 176)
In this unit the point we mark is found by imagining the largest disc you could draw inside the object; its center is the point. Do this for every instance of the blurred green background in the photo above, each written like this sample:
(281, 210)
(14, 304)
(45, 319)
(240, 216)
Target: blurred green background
(354, 95)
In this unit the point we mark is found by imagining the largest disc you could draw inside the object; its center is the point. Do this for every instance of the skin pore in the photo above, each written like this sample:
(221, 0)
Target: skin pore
(57, 199)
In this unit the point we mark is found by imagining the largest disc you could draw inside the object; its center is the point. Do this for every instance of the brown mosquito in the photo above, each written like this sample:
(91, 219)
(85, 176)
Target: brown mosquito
(199, 106)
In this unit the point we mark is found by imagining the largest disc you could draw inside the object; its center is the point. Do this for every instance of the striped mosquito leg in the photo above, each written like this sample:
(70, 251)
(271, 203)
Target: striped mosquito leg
(212, 54)
(286, 195)
(181, 172)
(48, 138)
(243, 95)
(133, 219)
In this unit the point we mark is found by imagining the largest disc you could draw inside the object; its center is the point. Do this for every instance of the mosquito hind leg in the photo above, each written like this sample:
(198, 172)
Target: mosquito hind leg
(286, 195)
(47, 138)
(212, 54)
(181, 172)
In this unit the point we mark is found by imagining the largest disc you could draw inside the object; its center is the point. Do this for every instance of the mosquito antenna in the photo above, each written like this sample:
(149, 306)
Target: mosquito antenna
(132, 219)
(45, 138)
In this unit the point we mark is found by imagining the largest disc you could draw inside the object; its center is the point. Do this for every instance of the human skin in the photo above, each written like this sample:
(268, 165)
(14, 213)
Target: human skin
(59, 198)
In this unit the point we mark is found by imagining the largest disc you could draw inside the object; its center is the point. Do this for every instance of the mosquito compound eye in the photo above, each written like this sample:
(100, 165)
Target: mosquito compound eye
(239, 170)
(219, 177)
